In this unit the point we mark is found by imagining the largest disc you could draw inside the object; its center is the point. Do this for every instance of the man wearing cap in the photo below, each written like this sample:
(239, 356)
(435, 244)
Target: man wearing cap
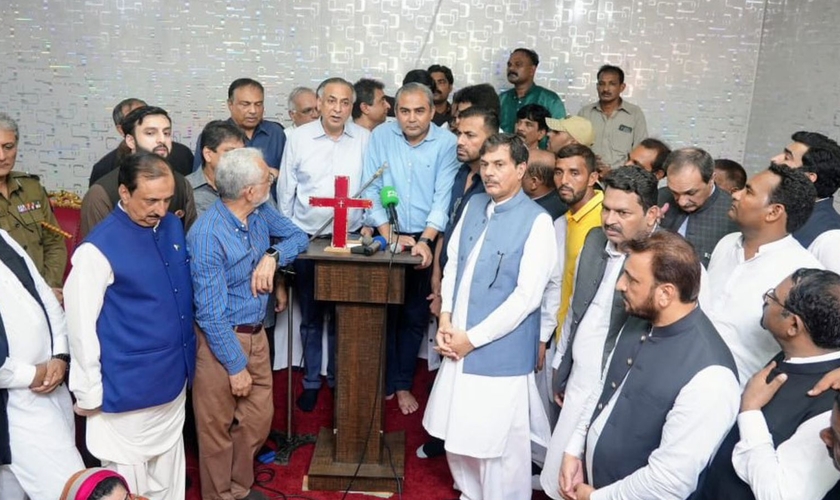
(619, 126)
(571, 130)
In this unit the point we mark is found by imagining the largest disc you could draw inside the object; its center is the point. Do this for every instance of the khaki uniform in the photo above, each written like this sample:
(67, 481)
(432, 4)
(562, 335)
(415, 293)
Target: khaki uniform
(21, 215)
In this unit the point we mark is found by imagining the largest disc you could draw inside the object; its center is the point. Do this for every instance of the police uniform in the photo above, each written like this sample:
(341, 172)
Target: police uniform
(22, 215)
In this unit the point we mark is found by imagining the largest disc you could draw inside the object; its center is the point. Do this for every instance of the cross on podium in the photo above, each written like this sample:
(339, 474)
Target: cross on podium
(341, 203)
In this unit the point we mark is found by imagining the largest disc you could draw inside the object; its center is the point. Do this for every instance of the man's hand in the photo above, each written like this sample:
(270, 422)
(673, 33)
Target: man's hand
(434, 297)
(571, 475)
(758, 392)
(559, 398)
(59, 295)
(541, 357)
(459, 343)
(281, 295)
(86, 413)
(366, 231)
(422, 249)
(584, 491)
(830, 380)
(56, 369)
(40, 375)
(262, 279)
(240, 384)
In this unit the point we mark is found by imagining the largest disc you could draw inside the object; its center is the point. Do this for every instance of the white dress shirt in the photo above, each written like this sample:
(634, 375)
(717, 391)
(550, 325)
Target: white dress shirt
(826, 248)
(799, 468)
(311, 161)
(738, 287)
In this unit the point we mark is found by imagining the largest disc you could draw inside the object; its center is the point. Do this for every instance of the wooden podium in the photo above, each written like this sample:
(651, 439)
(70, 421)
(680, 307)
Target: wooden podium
(357, 285)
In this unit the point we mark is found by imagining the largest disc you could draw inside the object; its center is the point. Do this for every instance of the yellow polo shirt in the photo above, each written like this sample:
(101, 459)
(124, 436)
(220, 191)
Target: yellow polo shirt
(578, 226)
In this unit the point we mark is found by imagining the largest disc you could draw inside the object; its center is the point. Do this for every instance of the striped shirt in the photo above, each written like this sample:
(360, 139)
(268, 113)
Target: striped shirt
(224, 254)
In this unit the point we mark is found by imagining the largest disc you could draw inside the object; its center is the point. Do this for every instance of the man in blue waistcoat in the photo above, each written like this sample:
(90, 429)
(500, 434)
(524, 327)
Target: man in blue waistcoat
(484, 403)
(129, 313)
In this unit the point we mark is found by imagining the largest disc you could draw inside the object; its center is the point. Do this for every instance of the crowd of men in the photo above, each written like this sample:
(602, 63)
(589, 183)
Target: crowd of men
(617, 320)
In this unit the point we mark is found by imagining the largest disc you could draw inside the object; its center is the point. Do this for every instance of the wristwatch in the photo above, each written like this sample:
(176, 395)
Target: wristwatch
(428, 241)
(273, 253)
(62, 357)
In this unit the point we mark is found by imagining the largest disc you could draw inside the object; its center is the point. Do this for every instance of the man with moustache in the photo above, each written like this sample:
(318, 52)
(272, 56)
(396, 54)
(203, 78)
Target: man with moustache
(629, 211)
(129, 315)
(303, 107)
(218, 138)
(670, 390)
(567, 131)
(444, 80)
(423, 162)
(371, 106)
(317, 153)
(148, 129)
(693, 206)
(619, 125)
(774, 451)
(232, 267)
(489, 331)
(521, 69)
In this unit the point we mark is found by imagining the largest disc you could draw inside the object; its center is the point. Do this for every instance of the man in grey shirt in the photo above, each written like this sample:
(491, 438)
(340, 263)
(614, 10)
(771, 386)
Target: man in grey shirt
(217, 138)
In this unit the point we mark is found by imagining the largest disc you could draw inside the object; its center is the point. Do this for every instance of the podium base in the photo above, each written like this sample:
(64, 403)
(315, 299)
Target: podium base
(325, 473)
(286, 445)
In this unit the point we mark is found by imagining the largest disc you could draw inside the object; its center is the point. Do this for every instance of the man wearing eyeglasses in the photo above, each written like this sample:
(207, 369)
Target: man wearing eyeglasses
(774, 204)
(774, 450)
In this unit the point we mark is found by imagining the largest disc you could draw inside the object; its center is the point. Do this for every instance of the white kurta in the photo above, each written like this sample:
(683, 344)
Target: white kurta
(41, 429)
(145, 445)
(472, 413)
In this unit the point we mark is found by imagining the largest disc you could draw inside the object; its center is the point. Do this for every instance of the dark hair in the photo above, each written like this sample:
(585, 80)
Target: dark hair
(607, 68)
(517, 147)
(447, 73)
(535, 59)
(542, 172)
(733, 170)
(106, 487)
(535, 113)
(491, 119)
(243, 82)
(662, 152)
(673, 261)
(482, 95)
(142, 164)
(420, 76)
(118, 115)
(579, 150)
(365, 93)
(815, 297)
(691, 157)
(823, 162)
(219, 131)
(796, 193)
(816, 139)
(634, 179)
(136, 117)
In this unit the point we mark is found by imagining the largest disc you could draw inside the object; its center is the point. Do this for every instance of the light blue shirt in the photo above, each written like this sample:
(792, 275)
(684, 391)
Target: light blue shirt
(311, 161)
(422, 176)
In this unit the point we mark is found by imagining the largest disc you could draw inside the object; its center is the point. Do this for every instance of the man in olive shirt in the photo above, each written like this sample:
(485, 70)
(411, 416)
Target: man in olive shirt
(521, 68)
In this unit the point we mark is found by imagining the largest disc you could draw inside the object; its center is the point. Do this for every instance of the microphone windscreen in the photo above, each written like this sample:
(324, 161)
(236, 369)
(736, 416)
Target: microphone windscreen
(388, 197)
(383, 243)
(396, 248)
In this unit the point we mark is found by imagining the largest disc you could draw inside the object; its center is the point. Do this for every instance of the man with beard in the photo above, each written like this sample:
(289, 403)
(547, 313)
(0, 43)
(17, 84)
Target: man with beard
(233, 265)
(629, 211)
(693, 206)
(575, 177)
(521, 69)
(148, 129)
(670, 392)
(129, 314)
(444, 80)
(774, 451)
(619, 125)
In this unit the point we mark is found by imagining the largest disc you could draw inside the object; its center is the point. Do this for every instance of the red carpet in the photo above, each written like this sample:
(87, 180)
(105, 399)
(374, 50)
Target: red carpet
(427, 479)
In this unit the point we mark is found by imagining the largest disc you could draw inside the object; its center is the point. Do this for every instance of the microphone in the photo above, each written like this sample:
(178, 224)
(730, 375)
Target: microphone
(390, 200)
(378, 243)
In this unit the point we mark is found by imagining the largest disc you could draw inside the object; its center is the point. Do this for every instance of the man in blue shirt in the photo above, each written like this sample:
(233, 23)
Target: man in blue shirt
(246, 102)
(422, 164)
(233, 266)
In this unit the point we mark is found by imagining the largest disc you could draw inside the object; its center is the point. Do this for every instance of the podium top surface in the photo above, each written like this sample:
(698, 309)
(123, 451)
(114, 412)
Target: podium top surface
(317, 246)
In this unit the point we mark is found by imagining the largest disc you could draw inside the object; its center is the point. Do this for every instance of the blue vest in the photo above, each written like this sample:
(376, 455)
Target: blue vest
(145, 328)
(494, 279)
(823, 218)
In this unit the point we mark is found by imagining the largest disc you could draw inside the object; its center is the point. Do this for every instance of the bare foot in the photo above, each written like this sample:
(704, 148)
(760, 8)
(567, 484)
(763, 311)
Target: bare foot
(407, 402)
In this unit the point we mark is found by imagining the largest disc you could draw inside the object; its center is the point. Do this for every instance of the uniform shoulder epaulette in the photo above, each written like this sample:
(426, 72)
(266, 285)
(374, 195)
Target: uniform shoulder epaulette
(25, 175)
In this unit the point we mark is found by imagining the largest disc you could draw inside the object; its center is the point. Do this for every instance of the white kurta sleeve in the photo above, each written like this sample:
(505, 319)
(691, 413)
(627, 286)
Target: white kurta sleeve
(539, 259)
(577, 442)
(84, 293)
(824, 248)
(447, 284)
(550, 304)
(702, 415)
(798, 469)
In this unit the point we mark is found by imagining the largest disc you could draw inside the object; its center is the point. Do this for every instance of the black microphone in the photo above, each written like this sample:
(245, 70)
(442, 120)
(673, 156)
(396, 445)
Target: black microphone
(376, 245)
(390, 200)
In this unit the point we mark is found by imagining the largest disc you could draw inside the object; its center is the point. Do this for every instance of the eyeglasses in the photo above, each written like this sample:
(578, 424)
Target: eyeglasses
(770, 295)
(271, 179)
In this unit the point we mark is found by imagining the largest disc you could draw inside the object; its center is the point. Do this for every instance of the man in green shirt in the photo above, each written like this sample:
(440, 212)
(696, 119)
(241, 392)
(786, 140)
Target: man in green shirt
(521, 68)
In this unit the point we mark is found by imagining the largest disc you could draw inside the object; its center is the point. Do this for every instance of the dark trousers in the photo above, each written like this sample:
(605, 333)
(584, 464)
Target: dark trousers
(407, 327)
(311, 326)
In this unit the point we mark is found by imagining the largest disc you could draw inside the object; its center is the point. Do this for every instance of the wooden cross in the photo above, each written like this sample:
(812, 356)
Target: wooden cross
(342, 203)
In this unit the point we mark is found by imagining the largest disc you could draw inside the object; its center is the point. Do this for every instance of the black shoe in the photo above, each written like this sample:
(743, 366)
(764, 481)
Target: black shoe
(433, 448)
(307, 400)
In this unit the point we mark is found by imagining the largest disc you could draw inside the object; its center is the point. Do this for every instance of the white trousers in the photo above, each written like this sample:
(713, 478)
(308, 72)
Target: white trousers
(161, 478)
(507, 477)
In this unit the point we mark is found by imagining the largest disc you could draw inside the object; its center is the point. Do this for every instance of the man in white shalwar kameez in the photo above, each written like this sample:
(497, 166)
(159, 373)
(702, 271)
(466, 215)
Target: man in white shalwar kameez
(484, 403)
(40, 413)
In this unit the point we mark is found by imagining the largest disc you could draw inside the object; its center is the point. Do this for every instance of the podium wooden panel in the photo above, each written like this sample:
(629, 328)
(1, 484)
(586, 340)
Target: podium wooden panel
(357, 284)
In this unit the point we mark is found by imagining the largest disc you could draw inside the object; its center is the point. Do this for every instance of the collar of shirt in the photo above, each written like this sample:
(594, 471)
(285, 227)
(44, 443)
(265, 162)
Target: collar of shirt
(318, 131)
(431, 135)
(197, 179)
(773, 247)
(621, 107)
(231, 219)
(814, 359)
(260, 130)
(612, 251)
(590, 206)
